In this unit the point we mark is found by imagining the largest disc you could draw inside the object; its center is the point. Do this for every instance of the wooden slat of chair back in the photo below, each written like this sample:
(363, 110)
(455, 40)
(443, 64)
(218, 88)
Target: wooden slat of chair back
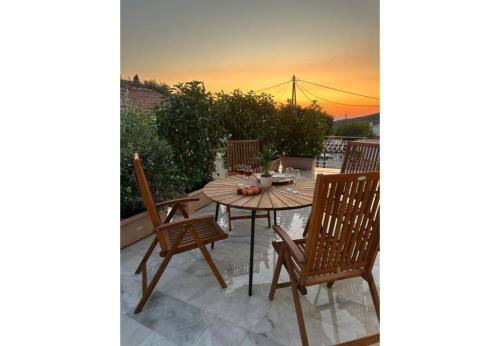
(344, 223)
(242, 152)
(147, 196)
(361, 157)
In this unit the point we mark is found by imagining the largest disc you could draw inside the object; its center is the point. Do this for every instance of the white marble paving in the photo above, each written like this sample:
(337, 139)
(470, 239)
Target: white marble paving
(188, 306)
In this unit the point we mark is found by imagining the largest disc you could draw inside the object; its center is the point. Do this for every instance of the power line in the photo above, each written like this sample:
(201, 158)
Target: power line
(303, 93)
(273, 86)
(338, 103)
(303, 88)
(281, 92)
(344, 91)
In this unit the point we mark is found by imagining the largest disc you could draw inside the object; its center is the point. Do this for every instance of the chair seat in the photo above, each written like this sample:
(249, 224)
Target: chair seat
(317, 277)
(207, 229)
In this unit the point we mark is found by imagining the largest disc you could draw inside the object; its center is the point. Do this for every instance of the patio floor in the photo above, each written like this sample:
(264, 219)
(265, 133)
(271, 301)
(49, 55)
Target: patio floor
(188, 307)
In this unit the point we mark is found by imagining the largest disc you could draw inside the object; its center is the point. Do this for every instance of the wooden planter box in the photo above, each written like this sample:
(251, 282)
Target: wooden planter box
(303, 163)
(134, 228)
(195, 206)
(138, 226)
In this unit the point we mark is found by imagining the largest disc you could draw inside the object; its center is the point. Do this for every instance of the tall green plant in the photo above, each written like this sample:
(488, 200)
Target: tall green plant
(265, 160)
(188, 123)
(247, 116)
(301, 132)
(139, 133)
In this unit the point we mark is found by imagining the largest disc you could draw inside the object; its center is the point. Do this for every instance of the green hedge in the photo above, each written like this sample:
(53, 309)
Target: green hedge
(256, 116)
(178, 142)
(355, 129)
(188, 123)
(301, 132)
(247, 116)
(139, 133)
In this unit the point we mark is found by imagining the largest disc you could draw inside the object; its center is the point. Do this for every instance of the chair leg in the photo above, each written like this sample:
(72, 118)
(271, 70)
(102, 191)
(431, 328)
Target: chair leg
(152, 284)
(208, 258)
(268, 219)
(373, 290)
(296, 300)
(330, 284)
(148, 289)
(277, 272)
(147, 255)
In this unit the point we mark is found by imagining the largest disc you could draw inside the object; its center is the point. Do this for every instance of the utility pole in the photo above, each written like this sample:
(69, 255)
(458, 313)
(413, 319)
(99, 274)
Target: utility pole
(294, 95)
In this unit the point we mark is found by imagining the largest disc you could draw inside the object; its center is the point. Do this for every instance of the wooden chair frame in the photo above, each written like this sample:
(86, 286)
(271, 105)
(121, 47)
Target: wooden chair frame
(243, 152)
(174, 236)
(342, 241)
(359, 157)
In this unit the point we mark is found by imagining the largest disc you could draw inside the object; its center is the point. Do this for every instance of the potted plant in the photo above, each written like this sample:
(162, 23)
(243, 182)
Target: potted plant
(266, 179)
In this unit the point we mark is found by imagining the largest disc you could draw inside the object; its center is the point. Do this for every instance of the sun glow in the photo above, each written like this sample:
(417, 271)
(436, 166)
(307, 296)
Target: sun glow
(251, 46)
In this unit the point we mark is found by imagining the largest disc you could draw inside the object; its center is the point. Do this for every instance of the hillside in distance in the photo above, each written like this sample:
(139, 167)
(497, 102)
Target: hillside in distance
(374, 118)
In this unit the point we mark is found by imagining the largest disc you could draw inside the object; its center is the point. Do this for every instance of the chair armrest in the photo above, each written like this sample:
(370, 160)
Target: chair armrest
(176, 201)
(290, 244)
(180, 222)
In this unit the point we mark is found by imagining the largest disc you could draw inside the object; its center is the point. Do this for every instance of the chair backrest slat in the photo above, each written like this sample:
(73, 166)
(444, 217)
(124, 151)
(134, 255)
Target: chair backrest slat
(147, 196)
(361, 157)
(242, 152)
(344, 223)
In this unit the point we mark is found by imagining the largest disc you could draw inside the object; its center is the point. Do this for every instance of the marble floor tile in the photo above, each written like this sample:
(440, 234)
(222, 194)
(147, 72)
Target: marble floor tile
(254, 339)
(221, 332)
(280, 324)
(176, 321)
(133, 333)
(188, 307)
(233, 304)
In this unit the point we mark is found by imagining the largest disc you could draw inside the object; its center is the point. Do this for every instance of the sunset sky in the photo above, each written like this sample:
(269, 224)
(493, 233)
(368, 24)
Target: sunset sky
(252, 45)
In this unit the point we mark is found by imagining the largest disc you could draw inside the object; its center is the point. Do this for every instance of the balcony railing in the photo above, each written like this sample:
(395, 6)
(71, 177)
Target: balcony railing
(333, 151)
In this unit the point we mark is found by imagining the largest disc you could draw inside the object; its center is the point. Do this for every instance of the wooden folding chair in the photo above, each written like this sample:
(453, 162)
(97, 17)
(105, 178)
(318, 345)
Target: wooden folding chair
(174, 236)
(342, 241)
(359, 157)
(243, 152)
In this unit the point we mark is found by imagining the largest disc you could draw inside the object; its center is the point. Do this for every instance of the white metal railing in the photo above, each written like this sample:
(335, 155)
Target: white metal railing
(334, 148)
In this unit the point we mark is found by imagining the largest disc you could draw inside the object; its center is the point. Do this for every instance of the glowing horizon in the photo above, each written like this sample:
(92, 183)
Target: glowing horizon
(232, 45)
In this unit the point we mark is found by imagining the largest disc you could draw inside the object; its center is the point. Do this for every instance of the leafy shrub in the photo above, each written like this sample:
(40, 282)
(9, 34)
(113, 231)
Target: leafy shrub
(266, 158)
(247, 116)
(179, 141)
(256, 116)
(301, 133)
(139, 133)
(187, 122)
(355, 129)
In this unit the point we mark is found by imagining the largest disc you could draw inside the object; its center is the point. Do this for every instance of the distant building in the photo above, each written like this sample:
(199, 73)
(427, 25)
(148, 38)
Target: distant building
(142, 98)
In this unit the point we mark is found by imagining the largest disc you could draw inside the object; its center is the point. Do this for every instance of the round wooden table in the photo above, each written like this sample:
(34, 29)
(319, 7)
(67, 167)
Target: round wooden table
(277, 197)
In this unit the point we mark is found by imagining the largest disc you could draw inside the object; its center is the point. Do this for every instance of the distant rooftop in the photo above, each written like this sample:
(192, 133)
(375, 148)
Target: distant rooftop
(142, 98)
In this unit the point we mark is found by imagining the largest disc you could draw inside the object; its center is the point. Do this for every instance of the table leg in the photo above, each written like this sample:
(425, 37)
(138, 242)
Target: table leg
(216, 218)
(216, 211)
(274, 216)
(252, 238)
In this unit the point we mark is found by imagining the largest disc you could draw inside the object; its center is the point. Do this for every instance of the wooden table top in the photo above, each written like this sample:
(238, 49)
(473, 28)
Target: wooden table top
(223, 191)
